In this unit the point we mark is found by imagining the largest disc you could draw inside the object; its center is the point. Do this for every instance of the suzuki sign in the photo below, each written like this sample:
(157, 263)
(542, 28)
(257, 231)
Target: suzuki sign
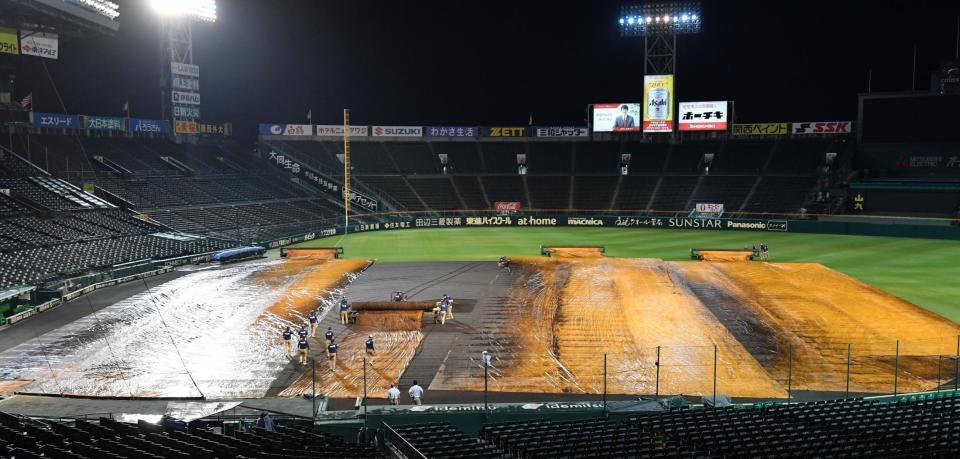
(397, 131)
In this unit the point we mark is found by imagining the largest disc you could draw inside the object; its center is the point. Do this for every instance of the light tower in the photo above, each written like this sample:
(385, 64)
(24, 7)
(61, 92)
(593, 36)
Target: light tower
(659, 23)
(180, 74)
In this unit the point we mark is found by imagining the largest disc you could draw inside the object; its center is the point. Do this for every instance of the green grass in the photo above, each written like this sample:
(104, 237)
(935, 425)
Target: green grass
(925, 272)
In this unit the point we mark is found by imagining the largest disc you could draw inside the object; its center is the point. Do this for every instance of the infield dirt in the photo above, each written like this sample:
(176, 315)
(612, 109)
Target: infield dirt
(757, 321)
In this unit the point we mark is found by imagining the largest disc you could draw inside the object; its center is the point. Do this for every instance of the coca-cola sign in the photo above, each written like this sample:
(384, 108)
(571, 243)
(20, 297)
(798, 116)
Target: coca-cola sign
(506, 206)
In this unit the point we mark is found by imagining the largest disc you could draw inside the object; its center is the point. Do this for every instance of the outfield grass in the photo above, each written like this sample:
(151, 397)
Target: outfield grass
(923, 271)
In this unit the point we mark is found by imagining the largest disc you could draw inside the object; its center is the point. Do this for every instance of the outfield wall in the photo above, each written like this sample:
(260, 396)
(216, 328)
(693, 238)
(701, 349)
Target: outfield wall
(902, 228)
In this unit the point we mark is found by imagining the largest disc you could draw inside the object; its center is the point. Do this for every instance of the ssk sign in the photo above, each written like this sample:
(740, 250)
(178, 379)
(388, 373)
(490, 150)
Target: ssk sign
(823, 127)
(397, 131)
(506, 206)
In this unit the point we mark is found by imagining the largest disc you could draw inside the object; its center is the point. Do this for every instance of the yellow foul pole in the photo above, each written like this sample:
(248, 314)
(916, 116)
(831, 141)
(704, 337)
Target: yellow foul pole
(346, 170)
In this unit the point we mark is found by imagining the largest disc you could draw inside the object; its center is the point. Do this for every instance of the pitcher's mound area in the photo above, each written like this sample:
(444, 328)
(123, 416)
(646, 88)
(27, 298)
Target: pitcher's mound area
(677, 318)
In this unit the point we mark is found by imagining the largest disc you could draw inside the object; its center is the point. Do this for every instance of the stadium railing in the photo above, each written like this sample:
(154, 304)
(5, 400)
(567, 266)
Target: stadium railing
(398, 442)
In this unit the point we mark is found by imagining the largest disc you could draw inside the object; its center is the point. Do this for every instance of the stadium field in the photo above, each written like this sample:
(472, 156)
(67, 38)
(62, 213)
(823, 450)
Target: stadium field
(922, 271)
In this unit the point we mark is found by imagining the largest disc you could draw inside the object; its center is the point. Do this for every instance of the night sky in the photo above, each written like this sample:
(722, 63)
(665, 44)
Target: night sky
(492, 62)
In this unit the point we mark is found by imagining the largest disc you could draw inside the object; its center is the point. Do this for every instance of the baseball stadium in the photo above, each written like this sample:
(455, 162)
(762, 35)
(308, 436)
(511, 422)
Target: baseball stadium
(663, 278)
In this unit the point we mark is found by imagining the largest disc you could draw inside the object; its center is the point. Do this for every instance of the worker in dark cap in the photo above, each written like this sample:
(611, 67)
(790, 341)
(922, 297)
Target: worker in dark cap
(303, 347)
(344, 311)
(314, 322)
(449, 302)
(332, 355)
(370, 349)
(328, 336)
(287, 336)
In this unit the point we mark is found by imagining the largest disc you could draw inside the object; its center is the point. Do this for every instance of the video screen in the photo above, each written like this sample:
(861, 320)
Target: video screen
(620, 117)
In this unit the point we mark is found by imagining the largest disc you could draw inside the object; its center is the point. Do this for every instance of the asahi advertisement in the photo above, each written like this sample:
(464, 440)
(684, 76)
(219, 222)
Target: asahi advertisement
(658, 103)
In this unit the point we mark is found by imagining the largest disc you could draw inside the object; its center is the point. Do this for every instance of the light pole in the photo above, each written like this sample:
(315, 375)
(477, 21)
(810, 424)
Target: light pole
(180, 86)
(486, 366)
(364, 390)
(659, 23)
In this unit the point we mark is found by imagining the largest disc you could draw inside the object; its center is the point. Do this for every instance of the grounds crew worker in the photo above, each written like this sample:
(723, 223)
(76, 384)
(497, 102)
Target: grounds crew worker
(415, 393)
(328, 336)
(303, 333)
(313, 323)
(443, 306)
(449, 301)
(504, 263)
(370, 350)
(344, 311)
(303, 347)
(393, 395)
(332, 355)
(287, 336)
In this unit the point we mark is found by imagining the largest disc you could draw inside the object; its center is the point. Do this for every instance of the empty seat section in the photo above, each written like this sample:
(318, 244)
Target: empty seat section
(501, 157)
(674, 192)
(29, 189)
(506, 188)
(779, 194)
(550, 157)
(646, 157)
(371, 158)
(413, 157)
(469, 188)
(799, 157)
(635, 192)
(742, 157)
(687, 158)
(438, 193)
(463, 157)
(107, 438)
(727, 190)
(593, 192)
(395, 187)
(549, 192)
(598, 157)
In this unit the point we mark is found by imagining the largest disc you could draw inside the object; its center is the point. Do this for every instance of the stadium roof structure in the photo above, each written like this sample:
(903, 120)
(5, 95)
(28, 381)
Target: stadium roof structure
(71, 18)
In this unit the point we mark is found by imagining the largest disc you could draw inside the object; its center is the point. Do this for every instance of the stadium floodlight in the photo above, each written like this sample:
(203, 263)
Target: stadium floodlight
(200, 10)
(102, 7)
(660, 18)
